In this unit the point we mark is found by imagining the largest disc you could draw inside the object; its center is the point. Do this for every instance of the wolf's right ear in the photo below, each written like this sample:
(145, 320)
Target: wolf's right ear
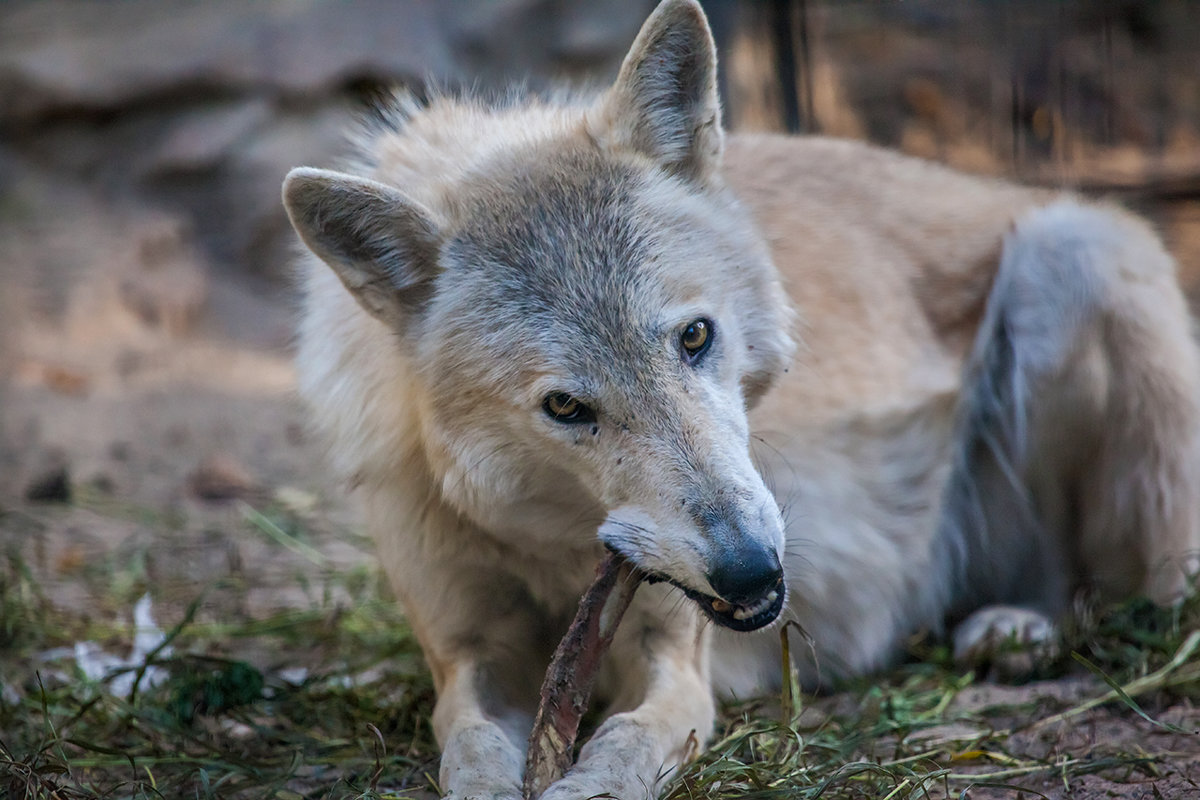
(664, 103)
(381, 244)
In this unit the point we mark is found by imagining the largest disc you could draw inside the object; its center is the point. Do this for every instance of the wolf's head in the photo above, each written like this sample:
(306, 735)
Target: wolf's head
(588, 311)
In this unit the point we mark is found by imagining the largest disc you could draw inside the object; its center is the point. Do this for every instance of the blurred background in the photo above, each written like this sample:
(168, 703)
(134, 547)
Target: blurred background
(146, 408)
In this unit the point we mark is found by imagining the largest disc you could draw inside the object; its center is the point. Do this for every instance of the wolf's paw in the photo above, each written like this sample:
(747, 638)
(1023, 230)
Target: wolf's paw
(583, 786)
(486, 794)
(1010, 640)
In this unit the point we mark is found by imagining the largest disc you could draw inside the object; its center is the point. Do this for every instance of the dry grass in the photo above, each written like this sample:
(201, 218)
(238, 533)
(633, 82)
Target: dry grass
(355, 722)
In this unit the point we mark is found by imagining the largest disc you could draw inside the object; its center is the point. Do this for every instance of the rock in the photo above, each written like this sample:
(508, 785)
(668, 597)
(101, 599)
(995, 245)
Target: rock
(64, 380)
(221, 477)
(198, 139)
(199, 109)
(51, 486)
(234, 209)
(543, 40)
(103, 483)
(65, 54)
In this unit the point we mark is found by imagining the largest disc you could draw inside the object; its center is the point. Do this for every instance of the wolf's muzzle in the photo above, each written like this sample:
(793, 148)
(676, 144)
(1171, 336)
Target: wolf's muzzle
(747, 577)
(750, 588)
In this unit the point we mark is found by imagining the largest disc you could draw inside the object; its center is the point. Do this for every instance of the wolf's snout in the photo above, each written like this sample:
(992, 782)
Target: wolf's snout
(742, 565)
(749, 586)
(748, 577)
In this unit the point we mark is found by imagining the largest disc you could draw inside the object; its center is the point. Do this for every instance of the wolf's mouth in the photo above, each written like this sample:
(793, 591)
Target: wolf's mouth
(742, 617)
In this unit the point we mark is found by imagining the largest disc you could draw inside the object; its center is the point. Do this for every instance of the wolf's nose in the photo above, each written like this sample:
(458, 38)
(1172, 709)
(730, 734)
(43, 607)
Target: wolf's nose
(747, 576)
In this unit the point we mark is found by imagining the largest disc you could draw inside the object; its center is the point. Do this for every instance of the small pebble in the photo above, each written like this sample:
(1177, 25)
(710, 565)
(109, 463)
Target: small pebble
(221, 477)
(52, 486)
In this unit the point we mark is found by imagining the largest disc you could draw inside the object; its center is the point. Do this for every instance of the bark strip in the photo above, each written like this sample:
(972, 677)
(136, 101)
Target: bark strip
(572, 672)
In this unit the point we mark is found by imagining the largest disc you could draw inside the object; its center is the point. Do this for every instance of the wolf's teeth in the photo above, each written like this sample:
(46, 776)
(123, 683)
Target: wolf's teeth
(752, 611)
(720, 606)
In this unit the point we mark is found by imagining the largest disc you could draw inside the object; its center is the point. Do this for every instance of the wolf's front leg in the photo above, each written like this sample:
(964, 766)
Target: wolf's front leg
(658, 669)
(483, 753)
(487, 642)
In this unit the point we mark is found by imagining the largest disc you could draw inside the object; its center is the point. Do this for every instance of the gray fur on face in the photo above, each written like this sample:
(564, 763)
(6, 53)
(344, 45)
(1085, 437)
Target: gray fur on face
(572, 270)
(521, 250)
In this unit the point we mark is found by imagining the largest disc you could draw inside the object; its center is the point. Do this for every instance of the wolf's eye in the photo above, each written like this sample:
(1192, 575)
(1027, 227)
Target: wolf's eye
(562, 407)
(696, 338)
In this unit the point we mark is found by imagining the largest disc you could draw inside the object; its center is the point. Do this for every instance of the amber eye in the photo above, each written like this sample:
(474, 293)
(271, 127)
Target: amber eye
(696, 338)
(562, 407)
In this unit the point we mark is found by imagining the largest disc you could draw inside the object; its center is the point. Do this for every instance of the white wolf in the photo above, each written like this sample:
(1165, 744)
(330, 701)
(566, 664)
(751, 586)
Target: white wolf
(538, 328)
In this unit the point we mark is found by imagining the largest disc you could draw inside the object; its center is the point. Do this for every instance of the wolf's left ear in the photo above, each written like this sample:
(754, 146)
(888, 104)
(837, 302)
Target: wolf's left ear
(382, 245)
(664, 103)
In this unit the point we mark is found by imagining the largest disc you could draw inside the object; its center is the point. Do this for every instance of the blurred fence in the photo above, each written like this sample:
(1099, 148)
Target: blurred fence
(1102, 95)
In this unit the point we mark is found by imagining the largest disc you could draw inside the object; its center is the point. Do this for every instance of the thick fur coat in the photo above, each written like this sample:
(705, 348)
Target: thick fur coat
(793, 378)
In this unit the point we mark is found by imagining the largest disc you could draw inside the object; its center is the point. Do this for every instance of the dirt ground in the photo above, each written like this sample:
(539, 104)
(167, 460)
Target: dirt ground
(1172, 746)
(166, 415)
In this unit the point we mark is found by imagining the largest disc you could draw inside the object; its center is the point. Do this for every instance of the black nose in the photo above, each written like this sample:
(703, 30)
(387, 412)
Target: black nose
(746, 574)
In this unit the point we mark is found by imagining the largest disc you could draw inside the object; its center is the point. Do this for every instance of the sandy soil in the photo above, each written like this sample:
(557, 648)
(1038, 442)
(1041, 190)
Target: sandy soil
(166, 397)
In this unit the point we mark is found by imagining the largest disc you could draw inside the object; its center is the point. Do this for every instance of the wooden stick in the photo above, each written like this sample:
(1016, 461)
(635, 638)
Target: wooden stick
(572, 672)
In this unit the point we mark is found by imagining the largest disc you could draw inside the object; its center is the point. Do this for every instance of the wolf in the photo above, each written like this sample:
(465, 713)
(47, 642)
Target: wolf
(790, 378)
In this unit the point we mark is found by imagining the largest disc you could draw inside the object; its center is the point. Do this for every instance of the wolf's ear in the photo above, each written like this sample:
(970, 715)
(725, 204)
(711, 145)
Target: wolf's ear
(664, 103)
(382, 245)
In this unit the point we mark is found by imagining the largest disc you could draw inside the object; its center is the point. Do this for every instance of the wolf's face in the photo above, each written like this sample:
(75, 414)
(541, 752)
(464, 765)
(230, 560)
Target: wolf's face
(591, 318)
(612, 325)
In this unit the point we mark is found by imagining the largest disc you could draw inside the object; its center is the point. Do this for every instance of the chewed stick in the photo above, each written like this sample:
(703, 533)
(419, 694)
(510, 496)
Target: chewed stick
(572, 672)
